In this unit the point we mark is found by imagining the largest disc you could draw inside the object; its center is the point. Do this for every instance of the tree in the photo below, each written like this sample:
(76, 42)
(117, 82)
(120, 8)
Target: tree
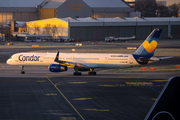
(175, 9)
(1, 29)
(47, 28)
(162, 10)
(54, 30)
(7, 33)
(36, 28)
(146, 7)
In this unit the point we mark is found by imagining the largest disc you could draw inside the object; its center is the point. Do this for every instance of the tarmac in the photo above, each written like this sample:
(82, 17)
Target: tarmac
(41, 95)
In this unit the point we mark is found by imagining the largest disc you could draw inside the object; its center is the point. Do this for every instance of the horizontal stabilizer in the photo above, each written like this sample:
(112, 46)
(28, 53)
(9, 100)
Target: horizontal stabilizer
(159, 59)
(163, 58)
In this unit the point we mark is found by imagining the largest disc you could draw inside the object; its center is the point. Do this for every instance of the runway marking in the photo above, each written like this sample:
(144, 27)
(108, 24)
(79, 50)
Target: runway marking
(76, 82)
(108, 85)
(97, 109)
(50, 94)
(154, 99)
(139, 76)
(82, 99)
(65, 98)
(139, 83)
(67, 118)
(117, 85)
(40, 81)
(159, 80)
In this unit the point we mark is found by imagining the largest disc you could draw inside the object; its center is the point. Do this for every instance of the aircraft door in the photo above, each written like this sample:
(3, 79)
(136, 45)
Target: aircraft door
(41, 59)
(16, 59)
(130, 60)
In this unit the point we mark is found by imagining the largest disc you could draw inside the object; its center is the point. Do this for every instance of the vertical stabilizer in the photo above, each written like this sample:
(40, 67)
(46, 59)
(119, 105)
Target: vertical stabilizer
(148, 47)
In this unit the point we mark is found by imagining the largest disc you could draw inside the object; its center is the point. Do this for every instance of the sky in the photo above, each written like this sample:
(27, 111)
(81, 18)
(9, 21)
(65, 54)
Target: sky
(170, 2)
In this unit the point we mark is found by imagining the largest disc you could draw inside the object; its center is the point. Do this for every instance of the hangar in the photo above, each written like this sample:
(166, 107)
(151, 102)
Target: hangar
(54, 26)
(28, 10)
(85, 8)
(99, 28)
(19, 10)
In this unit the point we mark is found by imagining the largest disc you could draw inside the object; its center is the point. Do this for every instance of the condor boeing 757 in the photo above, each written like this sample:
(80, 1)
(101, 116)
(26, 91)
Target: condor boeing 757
(59, 62)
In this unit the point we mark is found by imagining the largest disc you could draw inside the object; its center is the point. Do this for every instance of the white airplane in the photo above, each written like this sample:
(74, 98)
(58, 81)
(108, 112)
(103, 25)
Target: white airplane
(121, 39)
(59, 62)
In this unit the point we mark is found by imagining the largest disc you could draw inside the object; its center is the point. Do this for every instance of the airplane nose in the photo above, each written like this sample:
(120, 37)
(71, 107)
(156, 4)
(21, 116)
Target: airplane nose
(8, 61)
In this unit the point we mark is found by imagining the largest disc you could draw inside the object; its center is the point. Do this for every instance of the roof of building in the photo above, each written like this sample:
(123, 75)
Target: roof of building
(91, 3)
(89, 19)
(20, 3)
(146, 19)
(54, 4)
(159, 22)
(106, 3)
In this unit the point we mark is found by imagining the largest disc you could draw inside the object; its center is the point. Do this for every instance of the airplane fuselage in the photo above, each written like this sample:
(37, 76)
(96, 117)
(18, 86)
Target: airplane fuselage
(93, 60)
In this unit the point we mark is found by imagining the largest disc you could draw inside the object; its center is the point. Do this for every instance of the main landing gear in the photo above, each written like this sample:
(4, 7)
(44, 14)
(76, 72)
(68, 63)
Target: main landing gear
(22, 70)
(92, 72)
(76, 73)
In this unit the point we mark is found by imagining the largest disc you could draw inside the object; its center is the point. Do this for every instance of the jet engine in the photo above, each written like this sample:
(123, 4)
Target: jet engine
(57, 68)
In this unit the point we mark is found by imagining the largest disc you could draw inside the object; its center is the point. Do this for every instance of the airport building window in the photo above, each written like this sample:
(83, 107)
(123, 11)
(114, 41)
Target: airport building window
(5, 17)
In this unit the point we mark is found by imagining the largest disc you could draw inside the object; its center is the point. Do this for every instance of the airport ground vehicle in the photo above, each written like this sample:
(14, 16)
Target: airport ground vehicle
(36, 38)
(71, 40)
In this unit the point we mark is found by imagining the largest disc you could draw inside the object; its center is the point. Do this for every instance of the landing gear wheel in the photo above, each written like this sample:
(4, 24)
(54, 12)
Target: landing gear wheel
(22, 72)
(91, 73)
(77, 74)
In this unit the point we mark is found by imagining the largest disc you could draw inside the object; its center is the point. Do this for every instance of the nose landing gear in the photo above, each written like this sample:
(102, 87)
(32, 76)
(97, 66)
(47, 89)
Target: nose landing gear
(22, 70)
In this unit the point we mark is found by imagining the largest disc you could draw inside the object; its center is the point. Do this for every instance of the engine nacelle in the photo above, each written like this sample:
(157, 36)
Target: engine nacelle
(57, 68)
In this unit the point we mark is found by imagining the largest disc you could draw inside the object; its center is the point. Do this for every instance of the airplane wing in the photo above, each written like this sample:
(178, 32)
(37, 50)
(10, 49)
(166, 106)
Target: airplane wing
(80, 64)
